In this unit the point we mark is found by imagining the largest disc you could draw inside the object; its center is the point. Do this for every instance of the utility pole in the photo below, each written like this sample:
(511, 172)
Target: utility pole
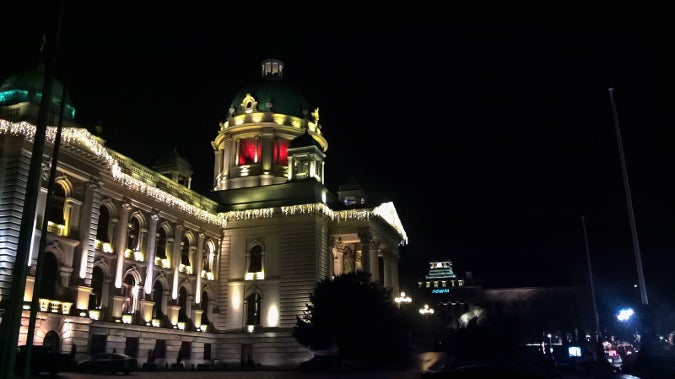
(11, 320)
(590, 282)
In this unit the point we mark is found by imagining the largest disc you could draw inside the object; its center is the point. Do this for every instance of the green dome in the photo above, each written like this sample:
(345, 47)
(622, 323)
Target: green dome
(28, 85)
(304, 140)
(271, 93)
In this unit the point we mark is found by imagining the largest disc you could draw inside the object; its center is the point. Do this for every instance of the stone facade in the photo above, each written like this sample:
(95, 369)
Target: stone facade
(135, 261)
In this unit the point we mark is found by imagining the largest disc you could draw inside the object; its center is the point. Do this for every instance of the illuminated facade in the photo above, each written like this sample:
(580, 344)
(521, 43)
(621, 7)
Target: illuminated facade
(447, 294)
(138, 262)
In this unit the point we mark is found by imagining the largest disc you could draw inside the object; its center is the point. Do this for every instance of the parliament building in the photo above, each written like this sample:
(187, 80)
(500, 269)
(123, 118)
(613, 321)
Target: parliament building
(129, 258)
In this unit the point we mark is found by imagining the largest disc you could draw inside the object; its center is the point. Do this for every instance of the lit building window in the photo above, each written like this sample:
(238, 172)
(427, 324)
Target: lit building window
(161, 244)
(185, 251)
(103, 223)
(250, 151)
(253, 303)
(133, 235)
(57, 204)
(255, 263)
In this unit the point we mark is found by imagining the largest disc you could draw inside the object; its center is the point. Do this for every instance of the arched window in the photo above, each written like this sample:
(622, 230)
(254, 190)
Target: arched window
(250, 151)
(182, 302)
(185, 251)
(50, 277)
(129, 294)
(161, 244)
(96, 297)
(53, 340)
(253, 309)
(157, 297)
(205, 308)
(103, 222)
(255, 259)
(133, 235)
(281, 151)
(207, 257)
(57, 203)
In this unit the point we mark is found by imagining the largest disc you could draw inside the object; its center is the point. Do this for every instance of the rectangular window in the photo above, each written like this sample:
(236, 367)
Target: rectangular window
(281, 151)
(185, 351)
(160, 349)
(131, 347)
(207, 351)
(98, 342)
(250, 151)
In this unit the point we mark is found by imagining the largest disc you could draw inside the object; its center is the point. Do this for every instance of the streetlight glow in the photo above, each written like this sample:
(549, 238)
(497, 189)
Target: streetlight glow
(402, 299)
(426, 310)
(625, 314)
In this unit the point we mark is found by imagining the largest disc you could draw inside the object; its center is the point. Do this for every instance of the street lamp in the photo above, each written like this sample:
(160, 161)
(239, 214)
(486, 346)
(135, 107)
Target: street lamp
(550, 342)
(625, 317)
(426, 311)
(402, 299)
(625, 314)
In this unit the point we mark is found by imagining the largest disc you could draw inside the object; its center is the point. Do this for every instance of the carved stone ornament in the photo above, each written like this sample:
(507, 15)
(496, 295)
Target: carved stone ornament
(315, 114)
(249, 104)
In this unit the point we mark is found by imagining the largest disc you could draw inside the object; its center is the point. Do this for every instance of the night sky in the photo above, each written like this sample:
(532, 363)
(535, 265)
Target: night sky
(492, 140)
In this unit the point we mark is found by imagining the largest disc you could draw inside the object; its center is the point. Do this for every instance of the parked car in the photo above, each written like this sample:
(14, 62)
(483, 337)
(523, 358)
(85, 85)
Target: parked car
(108, 362)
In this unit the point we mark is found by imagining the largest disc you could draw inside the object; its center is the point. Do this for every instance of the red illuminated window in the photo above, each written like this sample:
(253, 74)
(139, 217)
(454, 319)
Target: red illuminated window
(250, 151)
(281, 151)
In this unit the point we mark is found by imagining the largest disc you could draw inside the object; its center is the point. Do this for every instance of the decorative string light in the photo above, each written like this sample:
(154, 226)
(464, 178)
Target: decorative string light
(82, 138)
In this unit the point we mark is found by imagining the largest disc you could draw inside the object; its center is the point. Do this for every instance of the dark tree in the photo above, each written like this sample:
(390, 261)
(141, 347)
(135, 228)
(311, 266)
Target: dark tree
(356, 316)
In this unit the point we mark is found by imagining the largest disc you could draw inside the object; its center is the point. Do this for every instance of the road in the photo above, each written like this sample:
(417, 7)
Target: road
(263, 374)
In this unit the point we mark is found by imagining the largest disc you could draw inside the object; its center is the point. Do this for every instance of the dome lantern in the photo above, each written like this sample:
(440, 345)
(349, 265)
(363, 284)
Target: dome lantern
(272, 69)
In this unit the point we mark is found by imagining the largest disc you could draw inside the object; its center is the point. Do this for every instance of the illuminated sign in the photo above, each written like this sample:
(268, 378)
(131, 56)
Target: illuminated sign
(441, 290)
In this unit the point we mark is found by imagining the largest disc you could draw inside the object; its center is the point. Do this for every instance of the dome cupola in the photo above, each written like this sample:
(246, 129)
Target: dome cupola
(21, 94)
(265, 116)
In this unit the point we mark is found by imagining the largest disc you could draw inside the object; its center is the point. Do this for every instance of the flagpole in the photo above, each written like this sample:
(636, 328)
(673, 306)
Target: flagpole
(590, 281)
(629, 201)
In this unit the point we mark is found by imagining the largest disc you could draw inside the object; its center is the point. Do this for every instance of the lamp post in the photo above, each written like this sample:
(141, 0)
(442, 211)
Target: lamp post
(625, 316)
(426, 311)
(550, 343)
(402, 299)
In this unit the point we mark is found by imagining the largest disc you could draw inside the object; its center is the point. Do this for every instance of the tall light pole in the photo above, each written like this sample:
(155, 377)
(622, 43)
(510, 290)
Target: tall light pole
(629, 201)
(590, 282)
(11, 321)
(426, 312)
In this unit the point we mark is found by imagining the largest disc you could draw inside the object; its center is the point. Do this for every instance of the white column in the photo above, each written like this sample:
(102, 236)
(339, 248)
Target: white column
(366, 262)
(374, 253)
(121, 242)
(395, 257)
(175, 259)
(199, 258)
(86, 246)
(150, 249)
